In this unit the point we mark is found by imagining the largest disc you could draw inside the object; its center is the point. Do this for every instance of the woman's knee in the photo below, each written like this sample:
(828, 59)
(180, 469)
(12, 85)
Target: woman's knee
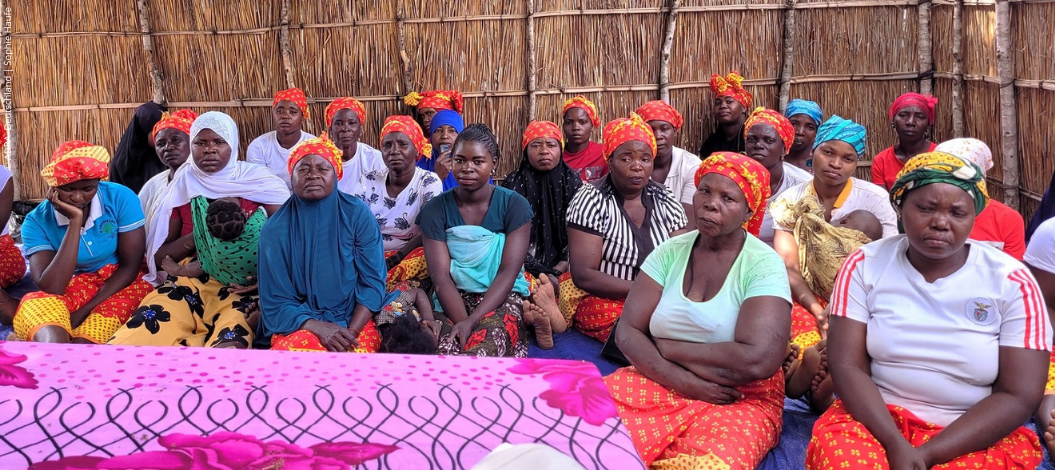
(51, 334)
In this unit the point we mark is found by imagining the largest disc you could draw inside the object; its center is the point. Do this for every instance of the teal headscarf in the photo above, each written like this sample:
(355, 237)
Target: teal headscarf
(837, 128)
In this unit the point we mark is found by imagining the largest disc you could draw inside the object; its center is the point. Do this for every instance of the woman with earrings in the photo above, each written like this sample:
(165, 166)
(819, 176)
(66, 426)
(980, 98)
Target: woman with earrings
(912, 117)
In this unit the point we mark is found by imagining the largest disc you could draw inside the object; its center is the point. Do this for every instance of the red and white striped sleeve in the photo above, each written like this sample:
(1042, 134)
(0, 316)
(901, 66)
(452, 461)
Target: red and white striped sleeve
(848, 295)
(1024, 321)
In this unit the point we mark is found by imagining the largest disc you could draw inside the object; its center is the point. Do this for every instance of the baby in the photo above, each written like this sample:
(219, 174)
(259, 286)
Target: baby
(225, 219)
(408, 324)
(864, 222)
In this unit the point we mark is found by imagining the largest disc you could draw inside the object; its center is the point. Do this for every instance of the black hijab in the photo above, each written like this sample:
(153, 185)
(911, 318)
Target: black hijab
(135, 160)
(549, 194)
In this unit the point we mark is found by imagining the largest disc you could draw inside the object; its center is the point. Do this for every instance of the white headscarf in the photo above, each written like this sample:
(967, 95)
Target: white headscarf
(238, 179)
(972, 150)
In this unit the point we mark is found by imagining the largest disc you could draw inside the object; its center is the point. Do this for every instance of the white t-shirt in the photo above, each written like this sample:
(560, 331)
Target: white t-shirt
(265, 150)
(1040, 253)
(681, 180)
(858, 194)
(150, 195)
(793, 176)
(367, 159)
(935, 346)
(395, 217)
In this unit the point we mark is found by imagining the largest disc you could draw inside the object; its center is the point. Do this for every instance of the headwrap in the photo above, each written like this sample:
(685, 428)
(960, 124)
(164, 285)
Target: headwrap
(436, 99)
(135, 160)
(180, 120)
(321, 146)
(782, 125)
(408, 126)
(549, 193)
(623, 130)
(749, 175)
(238, 179)
(972, 150)
(74, 161)
(536, 129)
(345, 103)
(924, 102)
(227, 261)
(657, 110)
(446, 117)
(730, 85)
(809, 108)
(584, 104)
(296, 95)
(938, 167)
(837, 128)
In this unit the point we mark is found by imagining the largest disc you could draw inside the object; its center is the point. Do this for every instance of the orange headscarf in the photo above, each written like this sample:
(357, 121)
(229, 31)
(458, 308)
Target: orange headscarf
(657, 110)
(749, 175)
(768, 116)
(345, 103)
(582, 103)
(436, 99)
(296, 95)
(74, 161)
(408, 126)
(623, 130)
(538, 129)
(731, 85)
(180, 120)
(321, 146)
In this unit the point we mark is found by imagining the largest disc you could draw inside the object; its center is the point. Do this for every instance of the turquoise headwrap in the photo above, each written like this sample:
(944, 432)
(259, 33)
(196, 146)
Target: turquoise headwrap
(837, 128)
(809, 108)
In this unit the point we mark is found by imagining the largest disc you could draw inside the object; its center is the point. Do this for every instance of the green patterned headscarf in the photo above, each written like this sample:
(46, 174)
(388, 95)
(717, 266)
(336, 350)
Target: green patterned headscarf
(938, 167)
(227, 261)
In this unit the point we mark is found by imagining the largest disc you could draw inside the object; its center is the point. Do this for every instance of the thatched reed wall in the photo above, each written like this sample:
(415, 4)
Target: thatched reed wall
(82, 66)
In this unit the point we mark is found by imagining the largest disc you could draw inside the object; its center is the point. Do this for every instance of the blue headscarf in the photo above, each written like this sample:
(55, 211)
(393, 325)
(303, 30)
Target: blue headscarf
(809, 108)
(837, 128)
(318, 260)
(446, 117)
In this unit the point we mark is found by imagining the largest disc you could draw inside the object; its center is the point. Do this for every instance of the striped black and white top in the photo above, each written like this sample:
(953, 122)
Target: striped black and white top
(598, 209)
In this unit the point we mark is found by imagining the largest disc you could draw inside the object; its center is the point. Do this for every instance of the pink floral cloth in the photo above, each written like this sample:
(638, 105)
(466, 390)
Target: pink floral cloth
(113, 407)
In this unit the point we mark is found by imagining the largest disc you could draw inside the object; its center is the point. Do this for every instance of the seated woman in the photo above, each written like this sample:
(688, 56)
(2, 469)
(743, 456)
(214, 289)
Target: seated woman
(322, 269)
(476, 236)
(732, 102)
(839, 146)
(578, 118)
(85, 248)
(172, 143)
(769, 137)
(396, 194)
(1040, 259)
(549, 185)
(344, 123)
(998, 225)
(191, 308)
(804, 116)
(444, 128)
(12, 263)
(674, 167)
(613, 225)
(704, 328)
(288, 111)
(931, 374)
(911, 116)
(431, 102)
(134, 161)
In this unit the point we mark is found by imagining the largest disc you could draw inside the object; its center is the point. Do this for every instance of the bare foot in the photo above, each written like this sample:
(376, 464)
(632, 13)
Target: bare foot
(791, 361)
(798, 382)
(822, 391)
(1049, 435)
(1045, 419)
(545, 298)
(534, 316)
(12, 337)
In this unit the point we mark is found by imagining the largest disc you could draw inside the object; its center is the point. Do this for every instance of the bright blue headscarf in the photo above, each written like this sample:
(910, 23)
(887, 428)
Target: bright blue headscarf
(445, 117)
(809, 108)
(837, 128)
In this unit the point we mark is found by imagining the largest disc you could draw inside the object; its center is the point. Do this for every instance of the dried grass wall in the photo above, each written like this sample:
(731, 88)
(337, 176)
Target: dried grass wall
(79, 73)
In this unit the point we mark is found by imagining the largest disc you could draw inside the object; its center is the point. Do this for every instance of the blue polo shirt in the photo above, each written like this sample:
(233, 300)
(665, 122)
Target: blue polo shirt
(115, 209)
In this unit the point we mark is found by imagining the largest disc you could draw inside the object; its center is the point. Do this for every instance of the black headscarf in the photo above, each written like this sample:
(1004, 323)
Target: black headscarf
(135, 160)
(549, 194)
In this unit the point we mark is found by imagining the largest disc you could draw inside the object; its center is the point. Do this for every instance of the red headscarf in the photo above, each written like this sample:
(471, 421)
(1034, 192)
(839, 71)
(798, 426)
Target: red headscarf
(321, 146)
(775, 119)
(623, 130)
(74, 161)
(436, 99)
(749, 175)
(296, 95)
(538, 129)
(180, 120)
(582, 103)
(730, 85)
(924, 102)
(657, 110)
(410, 128)
(345, 103)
